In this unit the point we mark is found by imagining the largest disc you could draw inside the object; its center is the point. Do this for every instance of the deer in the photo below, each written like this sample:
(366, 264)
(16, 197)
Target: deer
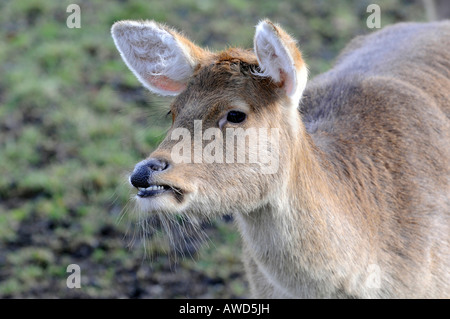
(359, 205)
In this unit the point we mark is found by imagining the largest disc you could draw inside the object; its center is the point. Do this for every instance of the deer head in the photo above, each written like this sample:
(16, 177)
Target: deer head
(235, 114)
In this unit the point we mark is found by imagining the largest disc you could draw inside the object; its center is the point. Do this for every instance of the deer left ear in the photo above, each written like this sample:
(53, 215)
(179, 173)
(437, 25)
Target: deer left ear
(280, 59)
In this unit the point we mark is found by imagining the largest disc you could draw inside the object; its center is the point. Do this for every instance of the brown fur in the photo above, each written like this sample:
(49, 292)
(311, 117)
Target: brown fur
(364, 176)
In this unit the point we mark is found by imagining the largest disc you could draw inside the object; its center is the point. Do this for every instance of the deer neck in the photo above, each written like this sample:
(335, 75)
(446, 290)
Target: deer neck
(302, 230)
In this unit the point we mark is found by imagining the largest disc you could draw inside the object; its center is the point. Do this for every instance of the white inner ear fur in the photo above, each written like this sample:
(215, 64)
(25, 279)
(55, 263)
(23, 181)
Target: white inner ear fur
(276, 61)
(153, 53)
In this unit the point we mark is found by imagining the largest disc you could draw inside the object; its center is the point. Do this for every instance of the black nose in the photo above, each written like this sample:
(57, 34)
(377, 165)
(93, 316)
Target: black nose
(143, 170)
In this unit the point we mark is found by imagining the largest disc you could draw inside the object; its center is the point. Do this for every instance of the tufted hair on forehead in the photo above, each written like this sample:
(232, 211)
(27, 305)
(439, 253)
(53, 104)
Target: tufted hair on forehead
(233, 54)
(233, 73)
(234, 61)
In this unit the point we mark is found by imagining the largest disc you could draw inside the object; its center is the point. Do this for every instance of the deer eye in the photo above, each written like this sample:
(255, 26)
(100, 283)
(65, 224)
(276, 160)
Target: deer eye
(236, 117)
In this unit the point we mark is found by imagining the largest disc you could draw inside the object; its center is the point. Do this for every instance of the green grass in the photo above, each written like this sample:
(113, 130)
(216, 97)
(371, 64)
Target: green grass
(74, 121)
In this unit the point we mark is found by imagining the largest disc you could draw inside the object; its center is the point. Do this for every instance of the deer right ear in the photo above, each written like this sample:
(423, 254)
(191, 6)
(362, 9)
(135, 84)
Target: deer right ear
(161, 59)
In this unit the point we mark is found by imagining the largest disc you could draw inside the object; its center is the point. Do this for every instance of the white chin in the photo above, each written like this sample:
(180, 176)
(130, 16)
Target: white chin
(154, 204)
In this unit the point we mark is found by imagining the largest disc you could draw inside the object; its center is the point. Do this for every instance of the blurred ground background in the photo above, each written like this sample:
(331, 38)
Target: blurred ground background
(74, 121)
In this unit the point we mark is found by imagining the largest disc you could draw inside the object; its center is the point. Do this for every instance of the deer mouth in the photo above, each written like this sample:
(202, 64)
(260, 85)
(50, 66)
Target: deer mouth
(155, 190)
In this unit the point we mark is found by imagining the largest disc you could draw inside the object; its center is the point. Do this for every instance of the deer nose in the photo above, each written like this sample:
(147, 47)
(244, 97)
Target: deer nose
(143, 170)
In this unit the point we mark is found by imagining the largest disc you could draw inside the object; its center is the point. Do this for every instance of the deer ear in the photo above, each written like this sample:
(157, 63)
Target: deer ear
(280, 59)
(159, 57)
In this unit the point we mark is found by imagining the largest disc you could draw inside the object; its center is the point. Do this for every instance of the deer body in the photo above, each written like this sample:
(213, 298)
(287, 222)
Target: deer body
(360, 206)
